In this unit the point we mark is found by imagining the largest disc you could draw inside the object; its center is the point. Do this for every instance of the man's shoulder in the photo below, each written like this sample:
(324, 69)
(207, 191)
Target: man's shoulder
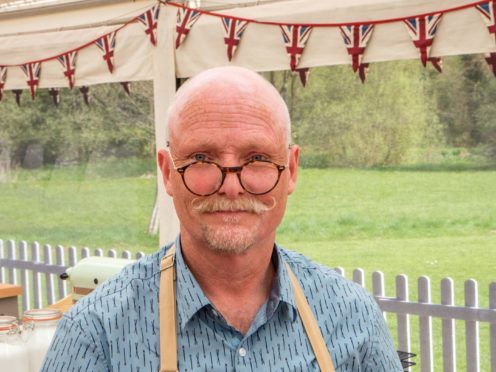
(141, 275)
(318, 280)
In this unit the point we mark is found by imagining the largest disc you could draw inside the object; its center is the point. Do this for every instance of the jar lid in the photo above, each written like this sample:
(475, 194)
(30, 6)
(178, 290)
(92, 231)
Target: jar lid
(7, 322)
(41, 315)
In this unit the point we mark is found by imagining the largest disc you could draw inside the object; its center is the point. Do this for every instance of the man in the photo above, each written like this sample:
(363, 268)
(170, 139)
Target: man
(229, 169)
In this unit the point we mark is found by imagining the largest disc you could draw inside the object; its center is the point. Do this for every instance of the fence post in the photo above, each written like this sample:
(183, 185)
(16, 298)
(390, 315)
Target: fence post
(492, 327)
(425, 326)
(112, 253)
(2, 275)
(99, 252)
(126, 254)
(359, 277)
(35, 257)
(85, 252)
(403, 320)
(448, 325)
(47, 258)
(11, 254)
(26, 288)
(59, 254)
(472, 327)
(140, 255)
(378, 287)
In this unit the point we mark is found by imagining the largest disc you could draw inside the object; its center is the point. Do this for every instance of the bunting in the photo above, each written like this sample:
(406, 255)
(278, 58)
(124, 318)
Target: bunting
(107, 45)
(32, 72)
(491, 61)
(303, 74)
(295, 39)
(186, 18)
(487, 12)
(68, 62)
(149, 20)
(356, 38)
(233, 30)
(3, 78)
(423, 30)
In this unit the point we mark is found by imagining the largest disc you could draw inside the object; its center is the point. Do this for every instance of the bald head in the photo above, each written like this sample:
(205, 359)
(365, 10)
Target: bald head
(228, 87)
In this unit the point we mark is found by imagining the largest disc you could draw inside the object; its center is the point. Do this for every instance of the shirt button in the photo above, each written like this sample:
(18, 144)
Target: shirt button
(242, 352)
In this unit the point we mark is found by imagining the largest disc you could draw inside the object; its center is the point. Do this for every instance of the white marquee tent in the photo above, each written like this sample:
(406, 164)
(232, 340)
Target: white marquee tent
(39, 31)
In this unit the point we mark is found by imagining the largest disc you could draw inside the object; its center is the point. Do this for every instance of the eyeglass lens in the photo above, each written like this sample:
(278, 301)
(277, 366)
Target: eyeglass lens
(205, 178)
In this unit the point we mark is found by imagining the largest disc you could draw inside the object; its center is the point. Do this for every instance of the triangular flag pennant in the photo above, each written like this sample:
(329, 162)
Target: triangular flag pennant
(32, 72)
(107, 45)
(362, 71)
(68, 62)
(491, 61)
(126, 86)
(233, 30)
(149, 20)
(437, 62)
(356, 38)
(295, 39)
(487, 12)
(3, 78)
(186, 18)
(303, 74)
(423, 30)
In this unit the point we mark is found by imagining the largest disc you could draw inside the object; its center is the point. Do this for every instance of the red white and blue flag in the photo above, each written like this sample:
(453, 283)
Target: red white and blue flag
(233, 31)
(423, 30)
(487, 12)
(32, 72)
(3, 78)
(149, 20)
(295, 39)
(68, 62)
(186, 18)
(107, 45)
(356, 38)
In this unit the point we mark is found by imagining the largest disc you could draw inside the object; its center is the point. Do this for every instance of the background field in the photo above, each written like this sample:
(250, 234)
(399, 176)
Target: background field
(430, 221)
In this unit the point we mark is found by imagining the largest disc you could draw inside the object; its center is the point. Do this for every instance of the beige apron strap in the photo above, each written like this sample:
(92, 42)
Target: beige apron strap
(167, 313)
(311, 327)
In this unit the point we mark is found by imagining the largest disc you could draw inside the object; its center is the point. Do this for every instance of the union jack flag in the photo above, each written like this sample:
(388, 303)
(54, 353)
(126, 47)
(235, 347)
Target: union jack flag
(3, 78)
(32, 72)
(356, 38)
(233, 30)
(186, 18)
(68, 62)
(487, 12)
(107, 45)
(149, 19)
(423, 30)
(295, 39)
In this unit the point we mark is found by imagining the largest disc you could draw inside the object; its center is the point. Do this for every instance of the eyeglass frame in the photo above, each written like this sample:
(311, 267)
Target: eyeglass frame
(224, 170)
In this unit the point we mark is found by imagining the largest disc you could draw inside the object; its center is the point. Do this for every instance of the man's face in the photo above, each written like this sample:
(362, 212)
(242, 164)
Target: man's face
(229, 134)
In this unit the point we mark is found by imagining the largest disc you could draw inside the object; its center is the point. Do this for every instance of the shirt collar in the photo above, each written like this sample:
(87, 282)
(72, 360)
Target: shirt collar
(190, 297)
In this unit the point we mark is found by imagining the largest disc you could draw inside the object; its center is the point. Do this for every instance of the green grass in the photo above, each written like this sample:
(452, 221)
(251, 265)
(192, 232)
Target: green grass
(423, 220)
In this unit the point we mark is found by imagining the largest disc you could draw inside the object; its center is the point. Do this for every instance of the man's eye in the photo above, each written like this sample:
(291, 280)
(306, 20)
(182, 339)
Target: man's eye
(199, 157)
(259, 158)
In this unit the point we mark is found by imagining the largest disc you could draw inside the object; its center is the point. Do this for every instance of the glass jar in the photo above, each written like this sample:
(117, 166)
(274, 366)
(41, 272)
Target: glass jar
(39, 327)
(13, 353)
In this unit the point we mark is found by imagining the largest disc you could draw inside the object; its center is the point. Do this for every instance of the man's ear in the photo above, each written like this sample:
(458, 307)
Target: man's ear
(164, 163)
(294, 157)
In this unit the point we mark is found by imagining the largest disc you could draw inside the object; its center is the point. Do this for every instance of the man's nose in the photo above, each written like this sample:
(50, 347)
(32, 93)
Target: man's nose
(231, 187)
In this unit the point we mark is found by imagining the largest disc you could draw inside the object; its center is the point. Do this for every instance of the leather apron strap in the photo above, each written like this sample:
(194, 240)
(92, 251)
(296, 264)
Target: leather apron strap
(311, 327)
(167, 313)
(167, 310)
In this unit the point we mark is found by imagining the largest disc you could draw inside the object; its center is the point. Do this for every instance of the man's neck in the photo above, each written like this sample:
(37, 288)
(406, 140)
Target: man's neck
(236, 284)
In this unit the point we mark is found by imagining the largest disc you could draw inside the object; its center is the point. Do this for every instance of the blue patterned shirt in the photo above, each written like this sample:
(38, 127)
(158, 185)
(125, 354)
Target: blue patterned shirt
(116, 328)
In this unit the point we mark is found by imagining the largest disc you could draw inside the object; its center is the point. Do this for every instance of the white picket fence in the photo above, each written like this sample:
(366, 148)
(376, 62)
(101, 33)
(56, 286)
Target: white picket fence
(17, 261)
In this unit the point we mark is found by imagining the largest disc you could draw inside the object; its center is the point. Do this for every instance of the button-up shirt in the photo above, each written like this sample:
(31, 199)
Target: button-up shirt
(116, 328)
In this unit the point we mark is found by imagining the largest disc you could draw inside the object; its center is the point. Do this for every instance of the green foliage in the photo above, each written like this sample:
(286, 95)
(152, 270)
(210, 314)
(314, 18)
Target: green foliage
(113, 125)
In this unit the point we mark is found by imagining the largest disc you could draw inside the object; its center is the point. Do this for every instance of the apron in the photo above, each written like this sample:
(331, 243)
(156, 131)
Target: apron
(167, 314)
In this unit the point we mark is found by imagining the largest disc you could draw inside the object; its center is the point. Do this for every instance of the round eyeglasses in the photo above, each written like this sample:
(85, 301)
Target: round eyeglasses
(257, 177)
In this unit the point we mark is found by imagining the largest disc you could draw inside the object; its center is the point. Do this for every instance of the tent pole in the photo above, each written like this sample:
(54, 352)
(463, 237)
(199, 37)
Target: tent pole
(164, 88)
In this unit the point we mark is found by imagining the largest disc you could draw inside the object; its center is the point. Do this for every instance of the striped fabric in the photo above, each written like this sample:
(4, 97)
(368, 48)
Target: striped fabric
(116, 327)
